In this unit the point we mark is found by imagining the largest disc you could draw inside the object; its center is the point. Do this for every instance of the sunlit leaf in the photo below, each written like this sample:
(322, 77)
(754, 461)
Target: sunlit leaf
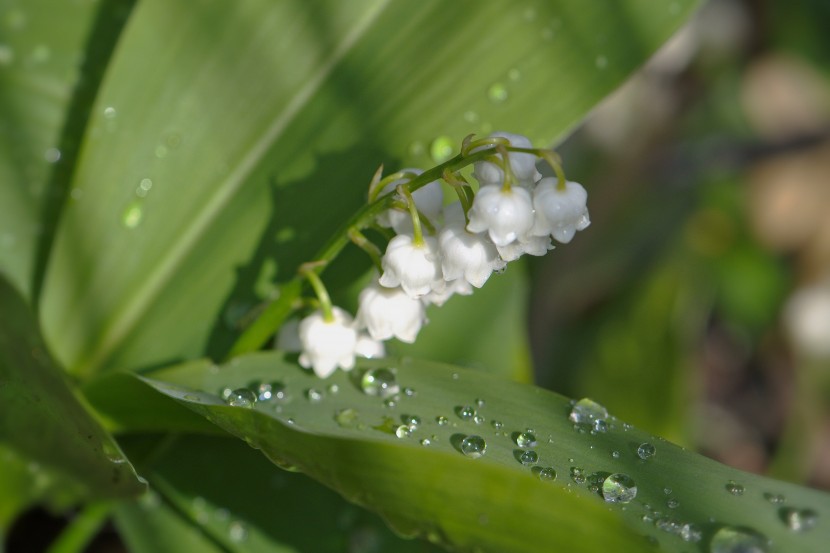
(349, 440)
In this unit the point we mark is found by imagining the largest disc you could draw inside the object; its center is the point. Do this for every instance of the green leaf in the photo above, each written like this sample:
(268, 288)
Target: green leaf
(149, 526)
(229, 141)
(493, 502)
(485, 331)
(43, 421)
(245, 503)
(51, 58)
(36, 80)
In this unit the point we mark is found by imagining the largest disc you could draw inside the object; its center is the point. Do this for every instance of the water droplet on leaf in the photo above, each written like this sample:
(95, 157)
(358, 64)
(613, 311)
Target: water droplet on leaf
(403, 431)
(525, 440)
(734, 488)
(267, 391)
(379, 382)
(528, 457)
(735, 540)
(465, 412)
(799, 520)
(346, 418)
(314, 395)
(241, 397)
(690, 533)
(646, 451)
(473, 446)
(619, 488)
(588, 411)
(547, 473)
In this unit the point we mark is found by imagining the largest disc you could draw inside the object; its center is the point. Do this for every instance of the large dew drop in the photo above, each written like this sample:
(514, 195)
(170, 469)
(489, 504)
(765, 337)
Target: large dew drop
(588, 411)
(619, 488)
(379, 382)
(473, 446)
(241, 397)
(735, 540)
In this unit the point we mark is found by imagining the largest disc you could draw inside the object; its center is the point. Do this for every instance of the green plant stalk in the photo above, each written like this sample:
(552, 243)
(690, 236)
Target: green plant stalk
(279, 309)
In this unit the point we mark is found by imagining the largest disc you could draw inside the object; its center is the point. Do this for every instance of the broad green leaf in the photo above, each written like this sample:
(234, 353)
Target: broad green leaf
(246, 503)
(229, 141)
(43, 421)
(347, 440)
(51, 55)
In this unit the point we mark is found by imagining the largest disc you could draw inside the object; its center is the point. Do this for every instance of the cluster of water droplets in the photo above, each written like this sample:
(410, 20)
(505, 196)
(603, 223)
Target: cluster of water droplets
(587, 417)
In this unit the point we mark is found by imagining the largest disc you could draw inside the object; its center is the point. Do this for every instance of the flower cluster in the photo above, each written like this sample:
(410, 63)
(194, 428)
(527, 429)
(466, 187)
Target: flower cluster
(514, 212)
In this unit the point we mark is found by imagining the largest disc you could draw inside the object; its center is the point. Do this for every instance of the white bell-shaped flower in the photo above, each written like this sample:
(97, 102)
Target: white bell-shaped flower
(560, 212)
(390, 312)
(522, 165)
(467, 255)
(429, 200)
(533, 245)
(328, 345)
(504, 214)
(454, 287)
(368, 347)
(414, 267)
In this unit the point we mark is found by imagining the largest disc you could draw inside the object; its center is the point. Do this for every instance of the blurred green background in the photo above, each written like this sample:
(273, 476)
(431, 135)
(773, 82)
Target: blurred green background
(697, 305)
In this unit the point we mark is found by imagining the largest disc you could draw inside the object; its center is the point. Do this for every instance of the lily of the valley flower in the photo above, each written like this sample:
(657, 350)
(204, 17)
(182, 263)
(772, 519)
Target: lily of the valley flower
(522, 165)
(560, 212)
(466, 255)
(505, 215)
(532, 245)
(390, 312)
(327, 345)
(414, 267)
(454, 287)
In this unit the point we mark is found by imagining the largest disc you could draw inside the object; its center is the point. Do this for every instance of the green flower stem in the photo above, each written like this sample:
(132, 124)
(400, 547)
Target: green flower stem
(553, 160)
(505, 166)
(360, 240)
(418, 235)
(463, 190)
(279, 309)
(309, 271)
